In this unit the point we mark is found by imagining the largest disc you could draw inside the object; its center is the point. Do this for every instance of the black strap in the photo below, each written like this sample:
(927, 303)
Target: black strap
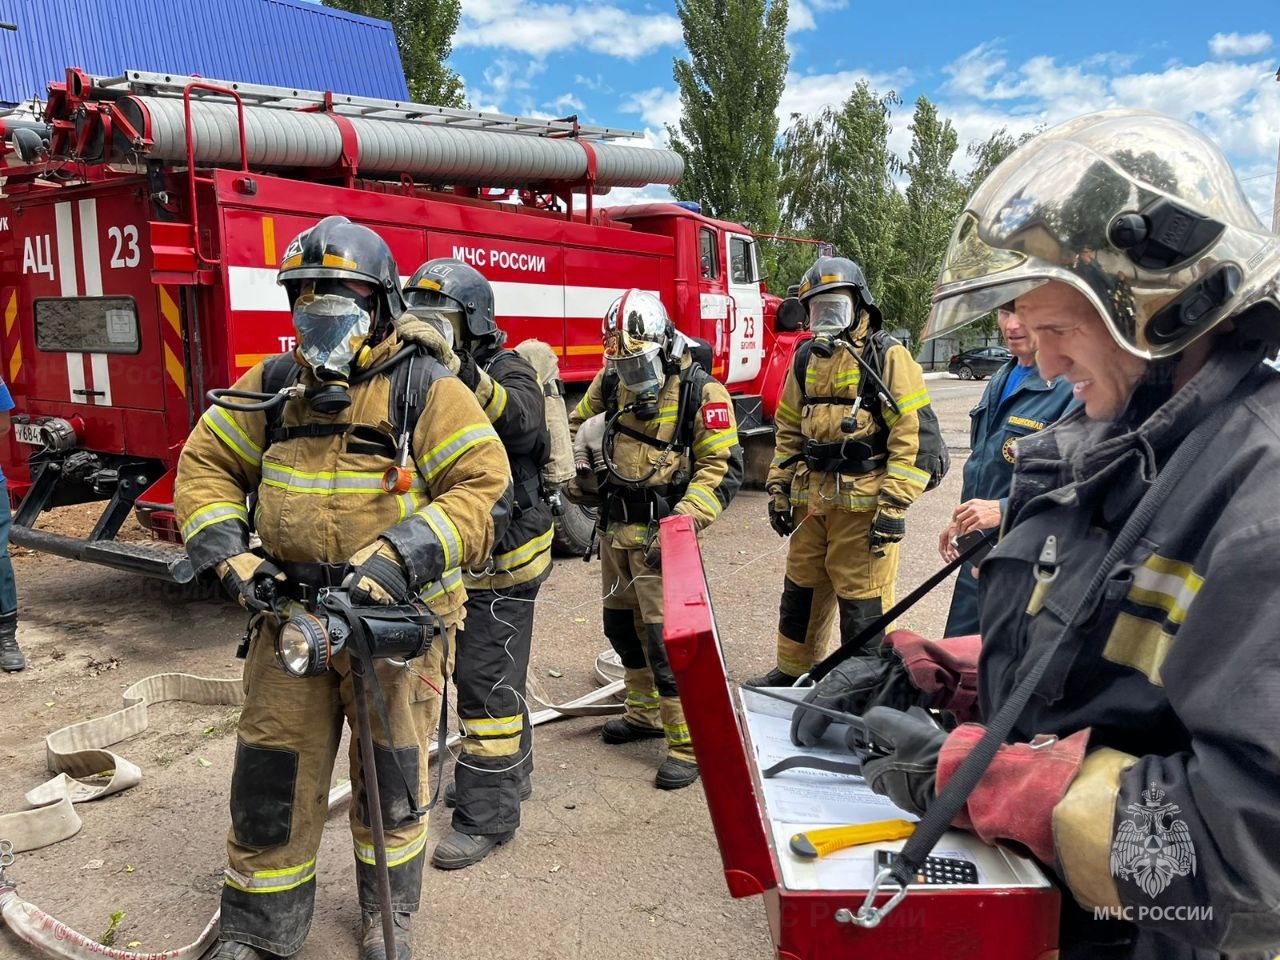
(937, 819)
(279, 434)
(853, 645)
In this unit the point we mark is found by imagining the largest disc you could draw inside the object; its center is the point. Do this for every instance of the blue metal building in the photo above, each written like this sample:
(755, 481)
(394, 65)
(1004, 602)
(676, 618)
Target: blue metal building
(278, 42)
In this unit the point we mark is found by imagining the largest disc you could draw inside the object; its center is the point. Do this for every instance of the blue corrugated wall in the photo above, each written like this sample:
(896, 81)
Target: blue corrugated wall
(278, 42)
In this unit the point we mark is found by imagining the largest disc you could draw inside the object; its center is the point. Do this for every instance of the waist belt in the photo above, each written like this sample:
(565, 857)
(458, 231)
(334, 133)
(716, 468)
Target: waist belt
(306, 578)
(642, 504)
(841, 456)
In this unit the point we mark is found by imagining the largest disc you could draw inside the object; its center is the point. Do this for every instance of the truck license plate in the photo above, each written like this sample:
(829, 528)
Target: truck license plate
(28, 433)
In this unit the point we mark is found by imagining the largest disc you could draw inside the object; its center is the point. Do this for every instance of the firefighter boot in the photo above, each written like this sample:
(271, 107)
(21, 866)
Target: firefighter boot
(774, 678)
(459, 850)
(232, 950)
(11, 658)
(642, 719)
(680, 768)
(372, 944)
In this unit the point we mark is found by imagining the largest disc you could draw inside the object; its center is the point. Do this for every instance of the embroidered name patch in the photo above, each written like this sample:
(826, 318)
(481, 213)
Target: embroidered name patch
(1026, 422)
(715, 416)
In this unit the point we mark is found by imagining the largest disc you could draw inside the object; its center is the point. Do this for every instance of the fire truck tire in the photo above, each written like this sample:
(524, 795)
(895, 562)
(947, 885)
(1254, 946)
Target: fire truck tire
(573, 530)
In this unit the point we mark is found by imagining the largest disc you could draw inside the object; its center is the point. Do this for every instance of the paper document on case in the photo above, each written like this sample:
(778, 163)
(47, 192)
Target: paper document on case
(805, 795)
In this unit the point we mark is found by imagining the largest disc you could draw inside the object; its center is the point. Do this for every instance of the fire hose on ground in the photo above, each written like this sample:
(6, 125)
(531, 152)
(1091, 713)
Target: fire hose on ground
(78, 755)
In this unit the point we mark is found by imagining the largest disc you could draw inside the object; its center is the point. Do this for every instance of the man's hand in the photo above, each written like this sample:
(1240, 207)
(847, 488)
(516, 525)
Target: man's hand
(946, 546)
(376, 574)
(468, 372)
(780, 516)
(975, 515)
(889, 525)
(908, 772)
(250, 580)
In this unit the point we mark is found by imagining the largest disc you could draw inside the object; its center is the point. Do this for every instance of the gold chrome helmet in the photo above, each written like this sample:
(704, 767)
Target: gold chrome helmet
(638, 337)
(1139, 212)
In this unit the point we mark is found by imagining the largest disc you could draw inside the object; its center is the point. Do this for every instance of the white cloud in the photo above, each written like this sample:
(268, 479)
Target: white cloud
(808, 94)
(656, 106)
(565, 104)
(539, 29)
(1224, 45)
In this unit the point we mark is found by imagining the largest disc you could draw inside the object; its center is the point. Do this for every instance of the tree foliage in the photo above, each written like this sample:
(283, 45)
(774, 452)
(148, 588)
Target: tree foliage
(730, 86)
(424, 33)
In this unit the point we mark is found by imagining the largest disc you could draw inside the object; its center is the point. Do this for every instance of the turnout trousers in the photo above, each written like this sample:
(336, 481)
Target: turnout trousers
(287, 742)
(633, 626)
(830, 566)
(497, 740)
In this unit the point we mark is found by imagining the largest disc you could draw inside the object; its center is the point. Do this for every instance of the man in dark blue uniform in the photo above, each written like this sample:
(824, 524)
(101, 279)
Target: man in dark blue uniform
(1017, 402)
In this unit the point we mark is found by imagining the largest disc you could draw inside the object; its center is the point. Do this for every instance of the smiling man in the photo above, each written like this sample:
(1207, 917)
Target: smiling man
(1018, 401)
(1143, 765)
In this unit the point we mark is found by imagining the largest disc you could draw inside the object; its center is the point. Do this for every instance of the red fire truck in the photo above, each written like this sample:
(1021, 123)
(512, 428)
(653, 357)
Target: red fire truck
(141, 225)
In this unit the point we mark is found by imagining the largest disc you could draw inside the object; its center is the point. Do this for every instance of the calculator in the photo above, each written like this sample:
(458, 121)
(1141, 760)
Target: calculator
(935, 869)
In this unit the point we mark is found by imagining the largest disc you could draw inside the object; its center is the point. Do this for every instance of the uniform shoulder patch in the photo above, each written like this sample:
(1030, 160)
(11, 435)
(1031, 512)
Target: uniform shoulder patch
(715, 416)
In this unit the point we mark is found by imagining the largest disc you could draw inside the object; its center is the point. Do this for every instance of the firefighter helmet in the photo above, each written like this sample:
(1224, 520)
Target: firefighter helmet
(638, 339)
(1140, 213)
(337, 249)
(452, 287)
(829, 274)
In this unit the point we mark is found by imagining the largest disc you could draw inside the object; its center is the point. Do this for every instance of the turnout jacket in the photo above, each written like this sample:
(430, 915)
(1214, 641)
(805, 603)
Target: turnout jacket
(898, 475)
(320, 498)
(699, 482)
(1173, 822)
(512, 399)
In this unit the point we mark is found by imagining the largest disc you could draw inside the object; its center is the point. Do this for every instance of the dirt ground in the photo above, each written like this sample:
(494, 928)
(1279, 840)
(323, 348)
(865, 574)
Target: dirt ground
(604, 866)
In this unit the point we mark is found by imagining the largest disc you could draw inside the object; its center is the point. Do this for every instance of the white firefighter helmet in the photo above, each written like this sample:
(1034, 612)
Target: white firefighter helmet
(1141, 213)
(638, 336)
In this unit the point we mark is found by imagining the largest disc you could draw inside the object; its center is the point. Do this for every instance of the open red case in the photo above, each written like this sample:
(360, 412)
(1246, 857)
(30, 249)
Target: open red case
(1010, 914)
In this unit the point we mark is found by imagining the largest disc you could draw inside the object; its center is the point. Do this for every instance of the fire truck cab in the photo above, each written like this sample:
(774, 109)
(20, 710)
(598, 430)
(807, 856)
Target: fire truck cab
(139, 245)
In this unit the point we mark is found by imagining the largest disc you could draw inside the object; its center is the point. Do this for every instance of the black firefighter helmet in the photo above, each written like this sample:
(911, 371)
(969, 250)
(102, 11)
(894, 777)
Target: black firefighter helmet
(337, 249)
(839, 273)
(452, 286)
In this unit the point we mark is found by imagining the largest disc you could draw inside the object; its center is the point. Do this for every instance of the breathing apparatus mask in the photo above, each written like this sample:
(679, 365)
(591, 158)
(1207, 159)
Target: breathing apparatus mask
(640, 346)
(830, 315)
(333, 323)
(309, 640)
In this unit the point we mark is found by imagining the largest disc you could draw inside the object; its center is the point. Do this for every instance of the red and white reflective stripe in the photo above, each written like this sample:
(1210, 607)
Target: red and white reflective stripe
(98, 377)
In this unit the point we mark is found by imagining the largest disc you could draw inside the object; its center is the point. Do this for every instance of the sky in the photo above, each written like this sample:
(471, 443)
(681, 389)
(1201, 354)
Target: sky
(986, 65)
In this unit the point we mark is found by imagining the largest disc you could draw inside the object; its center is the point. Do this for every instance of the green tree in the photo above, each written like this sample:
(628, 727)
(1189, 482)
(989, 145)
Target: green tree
(837, 185)
(729, 91)
(424, 33)
(934, 198)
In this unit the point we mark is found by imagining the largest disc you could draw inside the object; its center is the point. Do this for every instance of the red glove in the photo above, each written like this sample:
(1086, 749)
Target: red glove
(947, 670)
(1015, 798)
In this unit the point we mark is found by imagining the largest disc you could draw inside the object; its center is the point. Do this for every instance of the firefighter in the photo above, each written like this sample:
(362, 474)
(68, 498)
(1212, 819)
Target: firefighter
(12, 658)
(669, 444)
(1151, 789)
(856, 443)
(493, 771)
(317, 470)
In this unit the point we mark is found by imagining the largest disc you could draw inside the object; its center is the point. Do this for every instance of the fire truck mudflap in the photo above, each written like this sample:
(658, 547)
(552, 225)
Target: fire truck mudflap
(1010, 914)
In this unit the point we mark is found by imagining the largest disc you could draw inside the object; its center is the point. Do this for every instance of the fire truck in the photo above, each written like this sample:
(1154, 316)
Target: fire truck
(143, 217)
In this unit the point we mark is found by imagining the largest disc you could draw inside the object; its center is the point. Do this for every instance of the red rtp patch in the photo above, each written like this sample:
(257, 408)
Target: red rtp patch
(715, 416)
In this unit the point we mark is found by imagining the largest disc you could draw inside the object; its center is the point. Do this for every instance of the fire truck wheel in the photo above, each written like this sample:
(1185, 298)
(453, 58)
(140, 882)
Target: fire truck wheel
(573, 530)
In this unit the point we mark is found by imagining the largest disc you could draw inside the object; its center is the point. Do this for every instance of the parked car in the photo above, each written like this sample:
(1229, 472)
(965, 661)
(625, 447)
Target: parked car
(979, 363)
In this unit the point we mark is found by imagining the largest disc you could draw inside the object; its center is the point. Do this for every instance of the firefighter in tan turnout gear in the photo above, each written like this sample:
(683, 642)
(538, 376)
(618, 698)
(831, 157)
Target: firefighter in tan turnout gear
(316, 467)
(663, 433)
(857, 442)
(495, 763)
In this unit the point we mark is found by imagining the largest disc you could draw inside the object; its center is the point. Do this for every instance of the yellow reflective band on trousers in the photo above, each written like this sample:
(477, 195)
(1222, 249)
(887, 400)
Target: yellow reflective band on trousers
(491, 736)
(271, 881)
(454, 446)
(395, 855)
(229, 432)
(214, 513)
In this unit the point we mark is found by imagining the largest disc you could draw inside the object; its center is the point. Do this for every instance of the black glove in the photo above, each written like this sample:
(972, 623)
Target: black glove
(468, 372)
(889, 525)
(780, 514)
(850, 688)
(376, 575)
(908, 771)
(250, 580)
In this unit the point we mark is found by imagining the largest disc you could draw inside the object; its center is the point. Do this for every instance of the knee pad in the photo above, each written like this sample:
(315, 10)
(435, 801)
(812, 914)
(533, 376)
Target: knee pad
(262, 788)
(856, 616)
(397, 790)
(620, 631)
(795, 610)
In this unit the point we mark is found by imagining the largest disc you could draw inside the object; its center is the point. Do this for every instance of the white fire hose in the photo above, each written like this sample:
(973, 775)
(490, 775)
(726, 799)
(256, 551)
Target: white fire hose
(78, 751)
